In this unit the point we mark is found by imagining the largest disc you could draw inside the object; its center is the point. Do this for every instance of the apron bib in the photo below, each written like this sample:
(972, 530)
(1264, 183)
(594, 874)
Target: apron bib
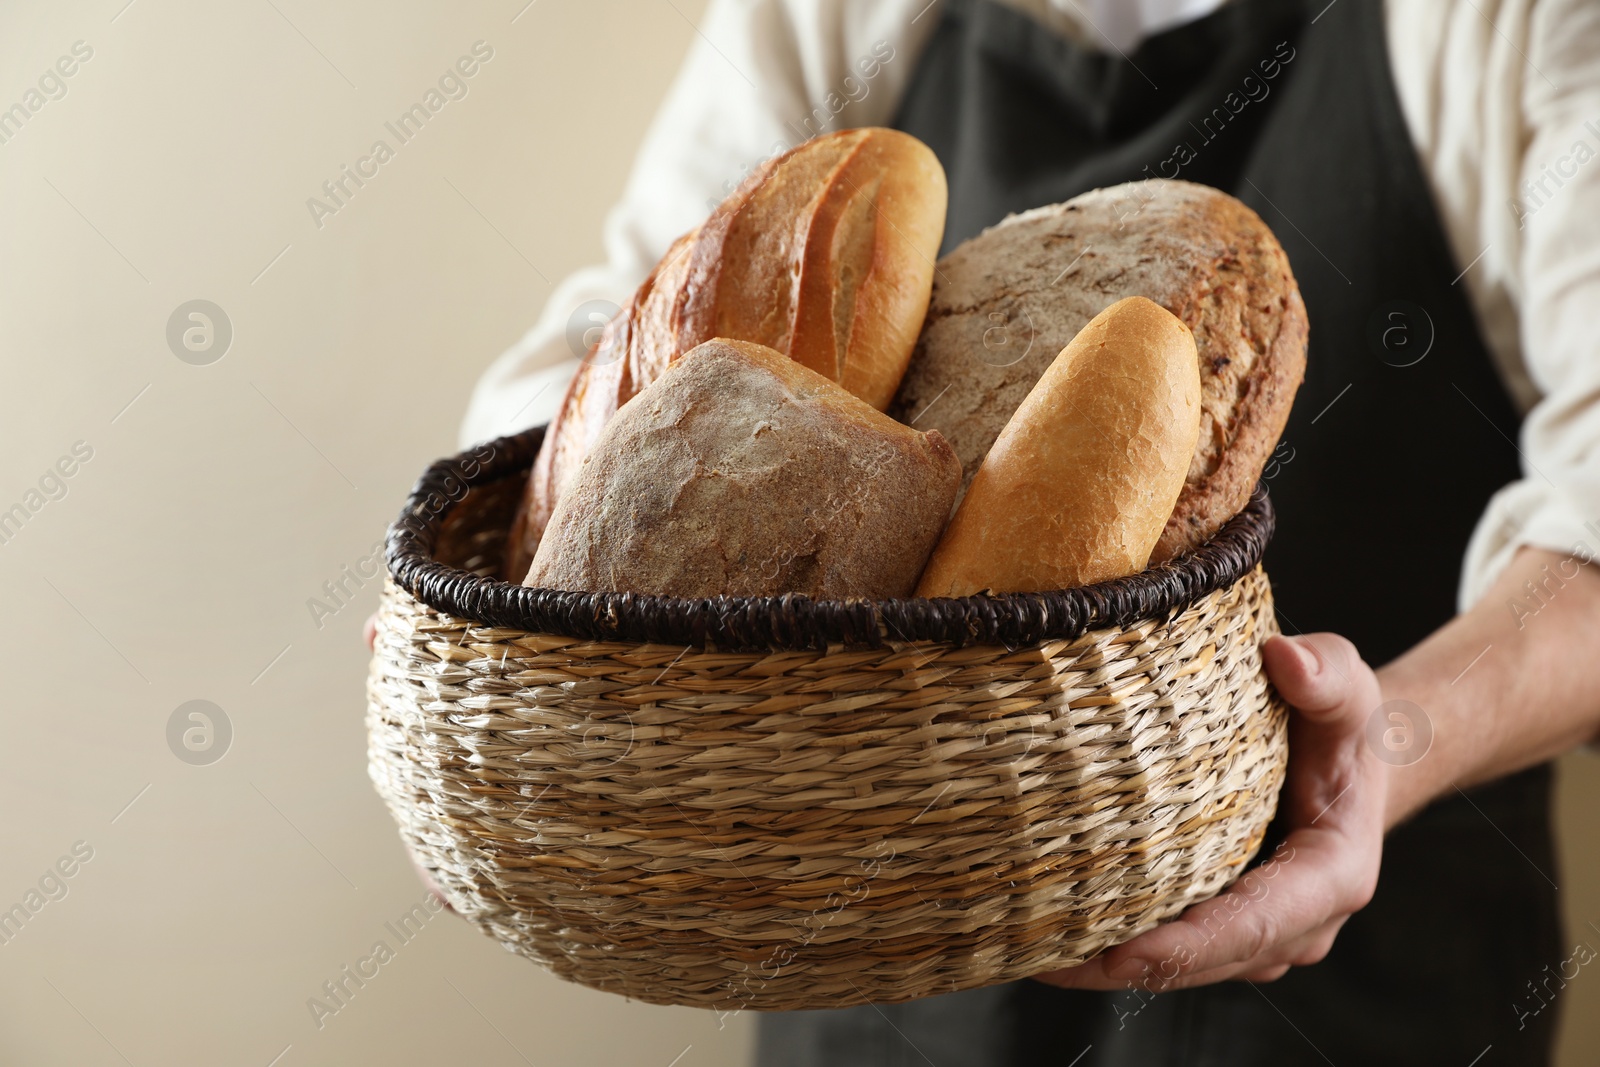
(1399, 436)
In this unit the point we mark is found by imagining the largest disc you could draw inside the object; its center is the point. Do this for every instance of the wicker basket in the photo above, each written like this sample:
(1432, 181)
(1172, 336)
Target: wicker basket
(780, 803)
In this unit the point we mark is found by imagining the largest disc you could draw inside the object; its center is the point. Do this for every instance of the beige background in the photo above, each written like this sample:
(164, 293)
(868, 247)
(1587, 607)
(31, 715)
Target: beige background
(179, 563)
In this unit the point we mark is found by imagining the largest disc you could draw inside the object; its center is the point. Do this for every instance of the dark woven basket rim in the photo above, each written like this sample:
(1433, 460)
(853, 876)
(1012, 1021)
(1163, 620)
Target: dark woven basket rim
(790, 622)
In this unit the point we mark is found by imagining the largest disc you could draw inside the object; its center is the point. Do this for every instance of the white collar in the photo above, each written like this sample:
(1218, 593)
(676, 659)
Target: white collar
(1122, 24)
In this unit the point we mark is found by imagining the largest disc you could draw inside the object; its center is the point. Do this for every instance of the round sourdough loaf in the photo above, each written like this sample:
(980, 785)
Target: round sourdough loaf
(740, 472)
(1007, 301)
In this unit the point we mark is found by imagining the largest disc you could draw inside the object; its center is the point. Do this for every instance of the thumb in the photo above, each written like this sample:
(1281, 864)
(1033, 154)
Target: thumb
(1321, 675)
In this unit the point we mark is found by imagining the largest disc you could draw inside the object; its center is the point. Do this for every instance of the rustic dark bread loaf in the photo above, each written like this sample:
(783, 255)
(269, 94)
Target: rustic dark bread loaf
(825, 254)
(740, 472)
(1005, 302)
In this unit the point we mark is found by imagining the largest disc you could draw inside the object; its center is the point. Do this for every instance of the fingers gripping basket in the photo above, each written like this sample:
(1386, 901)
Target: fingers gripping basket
(781, 804)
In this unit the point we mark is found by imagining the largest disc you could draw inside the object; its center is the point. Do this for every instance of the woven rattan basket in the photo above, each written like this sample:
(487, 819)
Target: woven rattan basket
(779, 803)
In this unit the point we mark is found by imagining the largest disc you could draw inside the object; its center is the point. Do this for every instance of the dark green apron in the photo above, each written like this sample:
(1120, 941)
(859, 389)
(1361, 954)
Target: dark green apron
(1388, 461)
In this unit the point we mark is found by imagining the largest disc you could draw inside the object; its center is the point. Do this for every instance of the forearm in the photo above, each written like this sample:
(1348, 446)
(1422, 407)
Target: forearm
(1503, 687)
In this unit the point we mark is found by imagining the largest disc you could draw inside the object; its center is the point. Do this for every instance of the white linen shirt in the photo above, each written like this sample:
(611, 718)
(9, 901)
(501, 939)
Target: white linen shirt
(1502, 99)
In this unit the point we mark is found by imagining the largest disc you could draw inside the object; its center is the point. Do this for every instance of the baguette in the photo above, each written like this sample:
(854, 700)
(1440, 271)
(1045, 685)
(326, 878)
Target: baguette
(1079, 484)
(740, 472)
(825, 254)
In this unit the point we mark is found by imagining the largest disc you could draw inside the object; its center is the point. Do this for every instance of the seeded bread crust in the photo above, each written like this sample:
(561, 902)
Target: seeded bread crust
(1007, 301)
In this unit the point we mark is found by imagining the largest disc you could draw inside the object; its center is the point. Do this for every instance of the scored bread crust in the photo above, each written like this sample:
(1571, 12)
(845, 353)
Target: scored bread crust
(1005, 302)
(740, 472)
(825, 254)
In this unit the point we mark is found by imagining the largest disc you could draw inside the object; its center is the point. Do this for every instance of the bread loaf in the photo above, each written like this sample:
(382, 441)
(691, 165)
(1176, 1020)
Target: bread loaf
(825, 253)
(1078, 486)
(742, 472)
(1005, 302)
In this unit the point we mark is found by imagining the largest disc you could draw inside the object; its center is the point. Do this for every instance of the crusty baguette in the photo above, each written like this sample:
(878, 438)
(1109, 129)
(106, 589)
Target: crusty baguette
(825, 253)
(1078, 486)
(741, 472)
(1006, 301)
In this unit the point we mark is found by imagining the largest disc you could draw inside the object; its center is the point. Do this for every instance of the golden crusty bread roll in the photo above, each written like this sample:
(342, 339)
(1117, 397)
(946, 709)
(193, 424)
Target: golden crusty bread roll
(1079, 484)
(825, 254)
(741, 472)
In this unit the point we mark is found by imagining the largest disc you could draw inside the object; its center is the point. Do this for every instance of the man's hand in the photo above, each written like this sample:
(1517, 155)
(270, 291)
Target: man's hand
(1286, 912)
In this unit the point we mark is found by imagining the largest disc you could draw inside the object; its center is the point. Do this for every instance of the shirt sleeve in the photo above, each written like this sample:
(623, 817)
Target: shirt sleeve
(1552, 227)
(760, 77)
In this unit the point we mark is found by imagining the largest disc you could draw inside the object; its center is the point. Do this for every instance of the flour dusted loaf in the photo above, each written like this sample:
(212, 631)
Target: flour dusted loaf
(1007, 301)
(825, 254)
(1078, 486)
(741, 472)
